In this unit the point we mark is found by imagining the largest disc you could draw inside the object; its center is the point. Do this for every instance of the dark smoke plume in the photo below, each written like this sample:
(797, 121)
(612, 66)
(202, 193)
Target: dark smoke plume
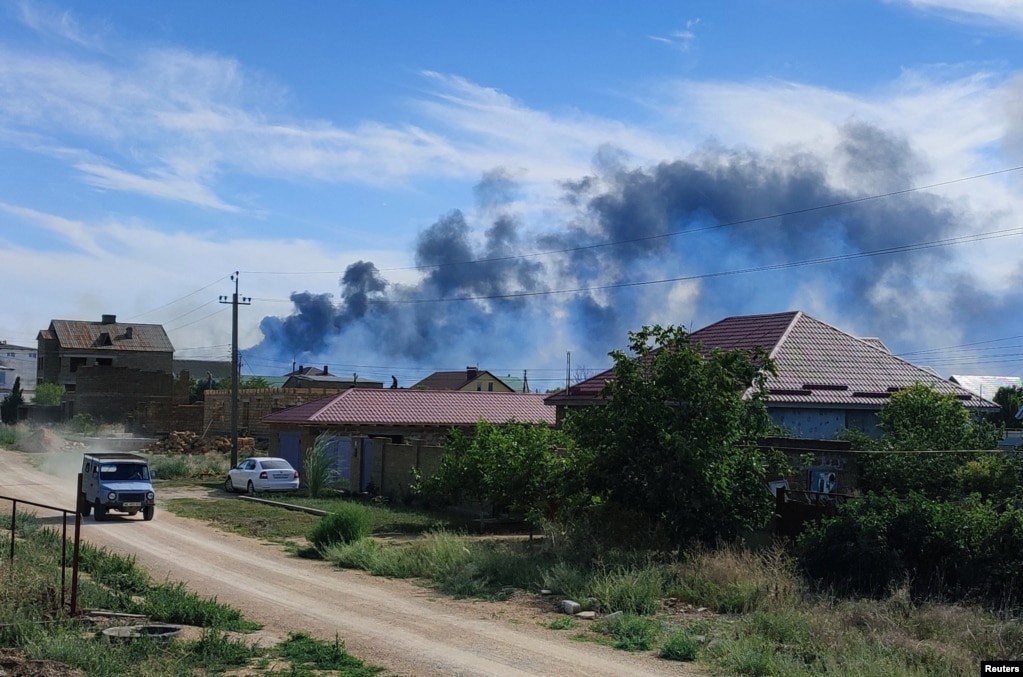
(716, 213)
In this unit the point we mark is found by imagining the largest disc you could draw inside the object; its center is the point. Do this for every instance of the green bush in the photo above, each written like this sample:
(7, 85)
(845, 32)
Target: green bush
(630, 633)
(348, 523)
(84, 424)
(680, 646)
(48, 394)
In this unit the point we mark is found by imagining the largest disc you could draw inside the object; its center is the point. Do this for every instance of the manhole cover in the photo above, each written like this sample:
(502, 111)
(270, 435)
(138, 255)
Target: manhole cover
(127, 633)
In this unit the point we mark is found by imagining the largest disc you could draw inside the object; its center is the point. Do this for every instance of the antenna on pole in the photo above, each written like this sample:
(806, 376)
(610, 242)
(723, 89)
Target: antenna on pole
(235, 301)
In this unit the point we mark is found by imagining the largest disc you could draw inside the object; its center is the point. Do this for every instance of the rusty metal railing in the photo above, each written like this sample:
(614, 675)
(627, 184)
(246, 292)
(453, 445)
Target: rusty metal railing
(73, 605)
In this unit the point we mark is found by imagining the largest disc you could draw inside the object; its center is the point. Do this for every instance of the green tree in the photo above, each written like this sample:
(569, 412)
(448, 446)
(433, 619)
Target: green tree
(939, 510)
(677, 438)
(1010, 399)
(11, 403)
(920, 419)
(48, 394)
(524, 468)
(253, 382)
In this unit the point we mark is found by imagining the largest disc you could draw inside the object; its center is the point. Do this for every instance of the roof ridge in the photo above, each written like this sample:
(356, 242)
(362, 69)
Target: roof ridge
(796, 316)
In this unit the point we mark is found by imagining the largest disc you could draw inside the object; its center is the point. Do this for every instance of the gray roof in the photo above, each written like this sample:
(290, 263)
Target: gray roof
(818, 365)
(112, 335)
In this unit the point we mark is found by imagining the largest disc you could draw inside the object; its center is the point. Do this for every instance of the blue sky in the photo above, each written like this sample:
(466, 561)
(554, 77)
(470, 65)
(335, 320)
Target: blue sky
(607, 166)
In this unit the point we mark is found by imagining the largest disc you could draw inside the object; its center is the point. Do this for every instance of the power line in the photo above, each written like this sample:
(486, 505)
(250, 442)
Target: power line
(687, 231)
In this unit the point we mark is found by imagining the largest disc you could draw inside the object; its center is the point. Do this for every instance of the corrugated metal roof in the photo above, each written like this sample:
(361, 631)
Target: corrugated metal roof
(82, 335)
(371, 406)
(818, 365)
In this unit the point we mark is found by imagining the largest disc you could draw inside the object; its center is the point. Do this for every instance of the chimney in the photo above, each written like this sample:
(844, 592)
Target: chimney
(325, 372)
(471, 373)
(128, 332)
(109, 319)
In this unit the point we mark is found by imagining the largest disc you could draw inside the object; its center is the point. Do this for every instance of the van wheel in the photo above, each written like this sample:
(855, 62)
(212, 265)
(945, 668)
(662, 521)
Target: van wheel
(86, 509)
(101, 513)
(148, 512)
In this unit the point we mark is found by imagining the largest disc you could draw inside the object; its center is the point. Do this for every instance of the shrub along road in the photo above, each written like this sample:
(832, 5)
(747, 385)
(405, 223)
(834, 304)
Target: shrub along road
(404, 628)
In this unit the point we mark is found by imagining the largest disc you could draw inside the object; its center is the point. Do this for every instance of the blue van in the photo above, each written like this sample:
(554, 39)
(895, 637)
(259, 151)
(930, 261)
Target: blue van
(115, 481)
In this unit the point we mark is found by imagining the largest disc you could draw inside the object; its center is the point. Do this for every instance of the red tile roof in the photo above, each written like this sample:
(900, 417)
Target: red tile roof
(443, 408)
(818, 365)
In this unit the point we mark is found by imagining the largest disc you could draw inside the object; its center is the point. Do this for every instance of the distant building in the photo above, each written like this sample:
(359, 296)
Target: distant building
(108, 369)
(17, 362)
(472, 379)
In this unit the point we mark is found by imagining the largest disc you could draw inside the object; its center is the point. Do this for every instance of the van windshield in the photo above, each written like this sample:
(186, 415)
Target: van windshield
(124, 471)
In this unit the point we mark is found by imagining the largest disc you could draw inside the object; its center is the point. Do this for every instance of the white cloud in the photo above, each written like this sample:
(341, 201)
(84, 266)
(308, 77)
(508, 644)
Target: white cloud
(682, 40)
(63, 25)
(1001, 11)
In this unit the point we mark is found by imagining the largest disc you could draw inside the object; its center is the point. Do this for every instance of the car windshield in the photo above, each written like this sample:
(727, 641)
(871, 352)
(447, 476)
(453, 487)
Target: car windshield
(275, 464)
(124, 471)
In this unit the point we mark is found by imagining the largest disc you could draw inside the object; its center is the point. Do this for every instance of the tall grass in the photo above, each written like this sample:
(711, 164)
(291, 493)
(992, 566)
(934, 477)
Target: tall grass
(319, 466)
(8, 435)
(188, 466)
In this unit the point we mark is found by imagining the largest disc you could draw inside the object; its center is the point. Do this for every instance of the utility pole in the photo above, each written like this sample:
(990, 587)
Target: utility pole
(235, 301)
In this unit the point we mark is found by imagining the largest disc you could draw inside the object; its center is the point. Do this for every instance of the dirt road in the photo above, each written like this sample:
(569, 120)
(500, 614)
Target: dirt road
(404, 628)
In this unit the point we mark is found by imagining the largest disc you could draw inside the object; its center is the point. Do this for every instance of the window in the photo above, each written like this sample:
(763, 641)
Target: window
(490, 386)
(105, 361)
(77, 362)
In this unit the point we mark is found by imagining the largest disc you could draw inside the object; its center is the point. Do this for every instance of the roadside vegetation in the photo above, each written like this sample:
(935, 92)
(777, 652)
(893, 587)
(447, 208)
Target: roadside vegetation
(34, 622)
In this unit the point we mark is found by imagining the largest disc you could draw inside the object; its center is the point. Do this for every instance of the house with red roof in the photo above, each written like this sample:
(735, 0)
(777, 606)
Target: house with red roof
(827, 380)
(359, 420)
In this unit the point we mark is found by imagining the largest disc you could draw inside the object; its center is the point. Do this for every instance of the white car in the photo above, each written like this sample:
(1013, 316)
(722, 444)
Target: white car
(262, 474)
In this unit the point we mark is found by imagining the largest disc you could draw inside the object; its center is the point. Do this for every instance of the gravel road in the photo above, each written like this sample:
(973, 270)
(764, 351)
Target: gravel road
(406, 629)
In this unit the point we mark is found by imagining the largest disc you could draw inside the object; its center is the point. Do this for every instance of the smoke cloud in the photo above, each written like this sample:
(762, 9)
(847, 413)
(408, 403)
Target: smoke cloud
(733, 231)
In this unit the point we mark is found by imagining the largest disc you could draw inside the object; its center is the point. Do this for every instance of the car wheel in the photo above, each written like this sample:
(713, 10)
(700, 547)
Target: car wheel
(86, 506)
(101, 513)
(251, 489)
(148, 512)
(229, 486)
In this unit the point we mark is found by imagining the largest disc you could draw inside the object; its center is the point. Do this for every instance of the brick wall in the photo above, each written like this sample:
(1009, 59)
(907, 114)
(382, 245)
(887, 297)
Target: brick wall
(117, 394)
(253, 405)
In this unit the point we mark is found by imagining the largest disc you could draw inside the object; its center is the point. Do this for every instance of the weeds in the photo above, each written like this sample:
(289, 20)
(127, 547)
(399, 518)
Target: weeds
(563, 623)
(188, 466)
(305, 652)
(8, 435)
(680, 646)
(319, 470)
(347, 524)
(629, 632)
